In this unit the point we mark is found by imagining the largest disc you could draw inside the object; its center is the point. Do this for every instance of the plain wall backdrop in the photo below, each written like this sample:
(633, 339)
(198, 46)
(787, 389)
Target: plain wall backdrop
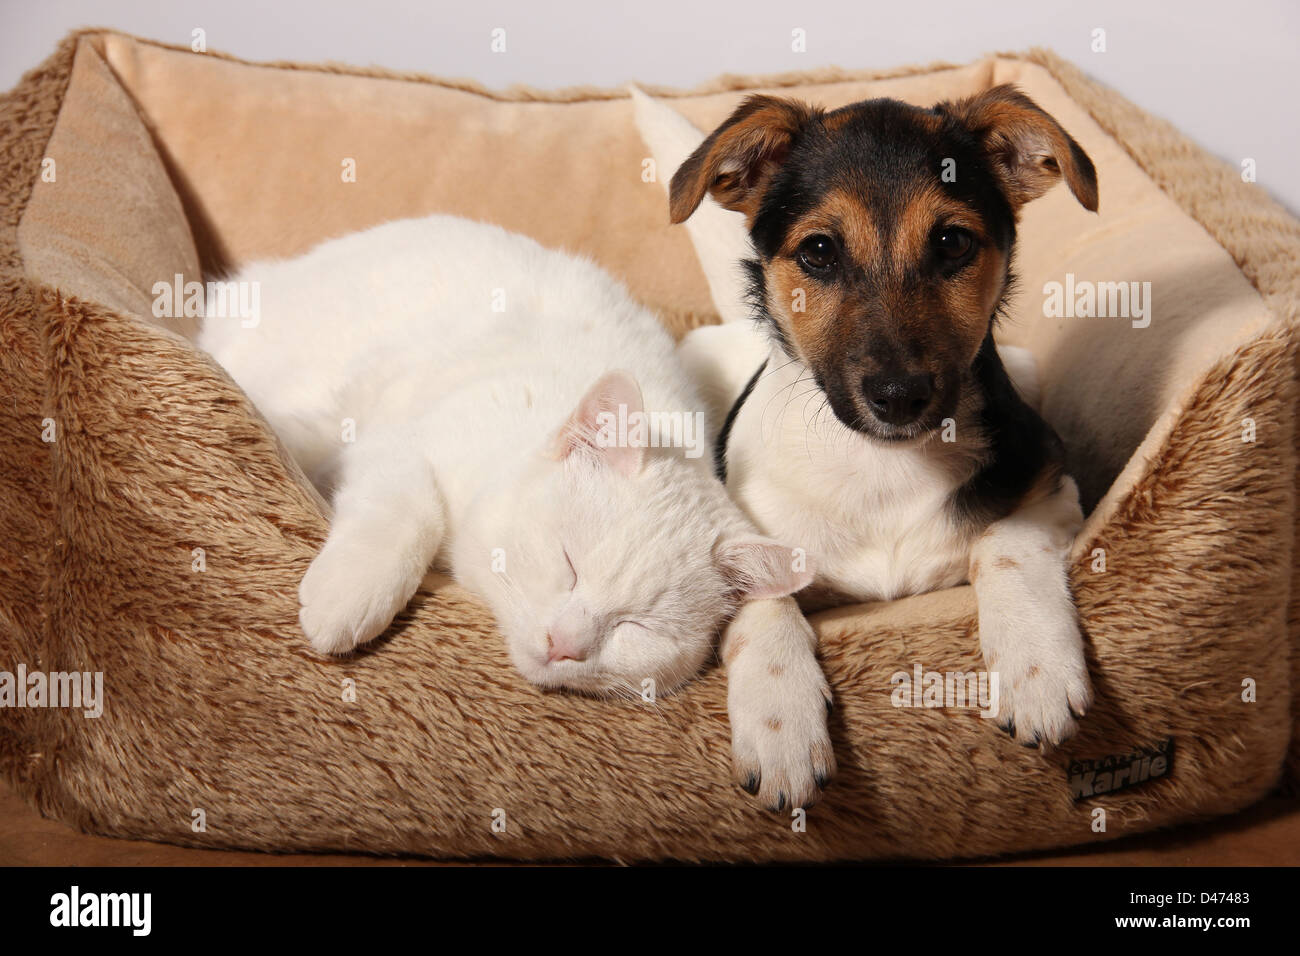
(1224, 73)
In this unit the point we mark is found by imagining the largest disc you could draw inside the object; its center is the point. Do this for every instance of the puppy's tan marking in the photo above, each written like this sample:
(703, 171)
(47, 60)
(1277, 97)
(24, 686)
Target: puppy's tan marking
(843, 213)
(735, 645)
(806, 309)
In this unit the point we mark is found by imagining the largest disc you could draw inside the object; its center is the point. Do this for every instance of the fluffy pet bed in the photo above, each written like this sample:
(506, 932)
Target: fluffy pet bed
(123, 450)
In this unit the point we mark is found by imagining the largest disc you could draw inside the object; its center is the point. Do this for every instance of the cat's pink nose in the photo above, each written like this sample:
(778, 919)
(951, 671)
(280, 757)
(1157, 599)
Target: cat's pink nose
(563, 649)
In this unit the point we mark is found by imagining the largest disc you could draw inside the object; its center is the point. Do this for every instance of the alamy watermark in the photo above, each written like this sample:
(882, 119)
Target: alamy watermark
(971, 690)
(222, 300)
(129, 910)
(1084, 299)
(638, 429)
(76, 690)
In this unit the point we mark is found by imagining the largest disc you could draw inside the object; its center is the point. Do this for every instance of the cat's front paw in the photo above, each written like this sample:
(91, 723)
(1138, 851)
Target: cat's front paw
(350, 595)
(1043, 686)
(778, 704)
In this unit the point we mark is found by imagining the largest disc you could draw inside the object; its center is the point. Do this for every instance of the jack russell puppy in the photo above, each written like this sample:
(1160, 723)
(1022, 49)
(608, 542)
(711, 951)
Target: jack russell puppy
(869, 417)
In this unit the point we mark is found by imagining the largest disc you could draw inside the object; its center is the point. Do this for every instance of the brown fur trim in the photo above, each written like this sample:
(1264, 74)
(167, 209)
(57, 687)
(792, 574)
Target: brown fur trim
(256, 738)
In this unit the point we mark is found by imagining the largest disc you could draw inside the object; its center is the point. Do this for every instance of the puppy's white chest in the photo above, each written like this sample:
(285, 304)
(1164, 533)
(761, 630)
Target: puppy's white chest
(905, 548)
(873, 518)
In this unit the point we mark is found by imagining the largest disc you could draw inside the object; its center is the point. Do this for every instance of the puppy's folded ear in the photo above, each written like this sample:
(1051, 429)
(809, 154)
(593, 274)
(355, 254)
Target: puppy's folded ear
(1028, 148)
(737, 158)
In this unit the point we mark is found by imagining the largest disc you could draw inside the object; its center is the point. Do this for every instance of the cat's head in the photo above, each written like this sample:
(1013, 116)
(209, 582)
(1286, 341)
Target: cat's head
(614, 566)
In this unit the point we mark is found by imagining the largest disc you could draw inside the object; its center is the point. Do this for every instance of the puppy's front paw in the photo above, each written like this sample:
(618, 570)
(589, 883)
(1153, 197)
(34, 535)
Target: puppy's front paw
(350, 595)
(780, 746)
(1043, 686)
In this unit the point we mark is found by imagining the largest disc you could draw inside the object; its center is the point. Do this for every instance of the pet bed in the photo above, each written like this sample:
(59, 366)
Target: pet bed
(152, 529)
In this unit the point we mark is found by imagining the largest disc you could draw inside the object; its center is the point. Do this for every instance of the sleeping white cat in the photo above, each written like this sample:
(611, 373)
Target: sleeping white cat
(474, 367)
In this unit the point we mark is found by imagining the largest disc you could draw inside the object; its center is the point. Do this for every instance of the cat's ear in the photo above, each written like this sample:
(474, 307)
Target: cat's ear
(593, 428)
(760, 568)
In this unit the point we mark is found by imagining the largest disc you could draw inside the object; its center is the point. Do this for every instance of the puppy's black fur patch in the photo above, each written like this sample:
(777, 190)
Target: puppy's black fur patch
(1022, 449)
(756, 296)
(879, 150)
(720, 448)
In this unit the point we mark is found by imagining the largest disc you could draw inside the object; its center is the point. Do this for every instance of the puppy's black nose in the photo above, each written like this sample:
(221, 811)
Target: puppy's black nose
(897, 399)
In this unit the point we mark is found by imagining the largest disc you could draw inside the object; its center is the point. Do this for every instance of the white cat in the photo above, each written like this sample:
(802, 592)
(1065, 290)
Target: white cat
(463, 358)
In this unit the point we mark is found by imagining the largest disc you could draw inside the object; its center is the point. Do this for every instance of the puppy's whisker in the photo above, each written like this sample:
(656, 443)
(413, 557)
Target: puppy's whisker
(787, 390)
(790, 397)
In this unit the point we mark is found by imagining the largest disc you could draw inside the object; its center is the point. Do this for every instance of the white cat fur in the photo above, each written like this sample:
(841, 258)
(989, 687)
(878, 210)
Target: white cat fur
(463, 359)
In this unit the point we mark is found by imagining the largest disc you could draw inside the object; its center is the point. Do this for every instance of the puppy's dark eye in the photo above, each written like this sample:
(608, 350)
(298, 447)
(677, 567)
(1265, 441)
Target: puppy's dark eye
(953, 244)
(817, 254)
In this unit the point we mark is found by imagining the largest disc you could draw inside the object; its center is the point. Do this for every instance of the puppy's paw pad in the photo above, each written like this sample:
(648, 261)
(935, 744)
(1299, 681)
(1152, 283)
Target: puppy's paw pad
(1040, 707)
(781, 750)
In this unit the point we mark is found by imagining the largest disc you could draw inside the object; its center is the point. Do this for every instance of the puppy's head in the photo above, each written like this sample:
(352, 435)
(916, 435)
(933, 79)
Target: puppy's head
(884, 233)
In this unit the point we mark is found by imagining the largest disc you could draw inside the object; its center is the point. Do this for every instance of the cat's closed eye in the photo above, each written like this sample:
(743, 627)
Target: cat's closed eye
(572, 571)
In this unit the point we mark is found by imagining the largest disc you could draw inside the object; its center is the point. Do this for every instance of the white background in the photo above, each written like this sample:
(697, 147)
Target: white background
(1224, 73)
